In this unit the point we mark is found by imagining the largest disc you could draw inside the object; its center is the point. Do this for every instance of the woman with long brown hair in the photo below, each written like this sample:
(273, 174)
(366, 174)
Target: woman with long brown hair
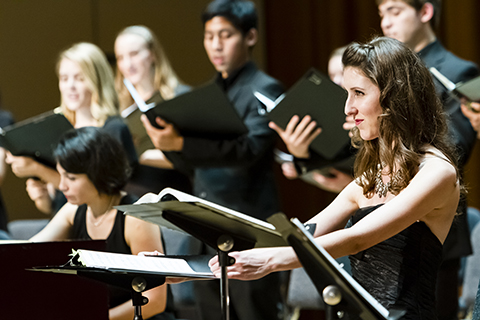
(393, 218)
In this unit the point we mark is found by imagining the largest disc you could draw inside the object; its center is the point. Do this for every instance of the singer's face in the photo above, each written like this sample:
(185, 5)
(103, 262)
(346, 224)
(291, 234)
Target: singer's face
(400, 21)
(134, 59)
(73, 87)
(227, 48)
(77, 187)
(363, 102)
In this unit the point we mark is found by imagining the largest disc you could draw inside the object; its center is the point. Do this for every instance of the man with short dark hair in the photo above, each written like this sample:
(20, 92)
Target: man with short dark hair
(413, 22)
(235, 173)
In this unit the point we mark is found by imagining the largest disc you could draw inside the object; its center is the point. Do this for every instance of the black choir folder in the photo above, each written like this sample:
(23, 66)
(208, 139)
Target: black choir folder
(204, 111)
(467, 90)
(202, 219)
(315, 95)
(35, 137)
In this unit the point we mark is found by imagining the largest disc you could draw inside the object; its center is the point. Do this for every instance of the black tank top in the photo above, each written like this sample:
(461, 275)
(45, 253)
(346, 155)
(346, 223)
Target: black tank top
(116, 239)
(116, 243)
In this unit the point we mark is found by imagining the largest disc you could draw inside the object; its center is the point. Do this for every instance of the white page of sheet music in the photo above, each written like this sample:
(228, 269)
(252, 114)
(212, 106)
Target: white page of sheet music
(107, 260)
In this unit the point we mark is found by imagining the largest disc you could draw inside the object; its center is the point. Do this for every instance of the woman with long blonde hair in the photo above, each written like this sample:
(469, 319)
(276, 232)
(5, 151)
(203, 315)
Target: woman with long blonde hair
(88, 98)
(142, 61)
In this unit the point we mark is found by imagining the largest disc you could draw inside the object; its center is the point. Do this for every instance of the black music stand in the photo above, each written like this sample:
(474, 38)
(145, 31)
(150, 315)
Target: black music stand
(221, 228)
(136, 283)
(58, 297)
(341, 293)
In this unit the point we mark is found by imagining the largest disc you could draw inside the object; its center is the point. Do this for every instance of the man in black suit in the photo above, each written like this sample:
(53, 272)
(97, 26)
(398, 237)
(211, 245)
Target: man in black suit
(413, 22)
(236, 173)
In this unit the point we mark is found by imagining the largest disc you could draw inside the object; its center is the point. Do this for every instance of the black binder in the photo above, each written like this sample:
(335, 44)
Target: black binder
(35, 295)
(315, 95)
(205, 111)
(35, 137)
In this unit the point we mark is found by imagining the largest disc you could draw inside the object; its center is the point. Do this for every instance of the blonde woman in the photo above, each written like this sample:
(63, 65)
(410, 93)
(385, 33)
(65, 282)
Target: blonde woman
(88, 98)
(142, 61)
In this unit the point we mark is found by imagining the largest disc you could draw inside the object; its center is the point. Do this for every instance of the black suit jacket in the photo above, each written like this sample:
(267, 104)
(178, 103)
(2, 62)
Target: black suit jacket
(237, 173)
(457, 70)
(435, 55)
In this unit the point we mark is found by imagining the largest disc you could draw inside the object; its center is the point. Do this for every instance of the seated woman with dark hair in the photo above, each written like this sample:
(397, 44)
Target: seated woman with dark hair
(93, 170)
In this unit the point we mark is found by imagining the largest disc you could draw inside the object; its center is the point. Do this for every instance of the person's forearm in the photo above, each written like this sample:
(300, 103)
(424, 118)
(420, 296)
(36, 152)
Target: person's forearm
(288, 260)
(48, 175)
(3, 165)
(44, 204)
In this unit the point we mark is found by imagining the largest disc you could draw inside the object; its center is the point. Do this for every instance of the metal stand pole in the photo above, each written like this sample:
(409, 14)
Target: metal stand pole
(225, 244)
(138, 286)
(332, 296)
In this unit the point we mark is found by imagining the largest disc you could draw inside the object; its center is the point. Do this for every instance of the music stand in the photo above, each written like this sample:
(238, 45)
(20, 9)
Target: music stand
(136, 283)
(341, 293)
(223, 229)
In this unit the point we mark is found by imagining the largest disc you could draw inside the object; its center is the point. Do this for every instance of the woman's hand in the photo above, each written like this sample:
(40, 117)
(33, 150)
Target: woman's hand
(289, 171)
(150, 253)
(37, 189)
(336, 183)
(249, 264)
(472, 112)
(22, 167)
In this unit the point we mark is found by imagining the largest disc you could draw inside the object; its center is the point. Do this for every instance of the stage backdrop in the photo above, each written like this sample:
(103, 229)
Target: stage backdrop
(295, 35)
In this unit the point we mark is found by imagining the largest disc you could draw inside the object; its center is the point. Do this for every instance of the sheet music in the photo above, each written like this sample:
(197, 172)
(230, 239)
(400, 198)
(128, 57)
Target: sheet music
(128, 111)
(136, 97)
(444, 80)
(185, 197)
(269, 103)
(107, 260)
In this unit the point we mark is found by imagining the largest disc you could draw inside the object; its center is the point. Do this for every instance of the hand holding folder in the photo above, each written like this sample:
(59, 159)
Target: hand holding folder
(35, 137)
(466, 92)
(323, 101)
(205, 111)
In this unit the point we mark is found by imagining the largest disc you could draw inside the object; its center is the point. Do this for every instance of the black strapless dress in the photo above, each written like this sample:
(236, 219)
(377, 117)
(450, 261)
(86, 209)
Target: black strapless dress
(400, 272)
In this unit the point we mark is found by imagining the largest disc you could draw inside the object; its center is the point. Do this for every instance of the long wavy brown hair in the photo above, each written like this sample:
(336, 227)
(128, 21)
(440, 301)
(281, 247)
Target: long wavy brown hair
(412, 119)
